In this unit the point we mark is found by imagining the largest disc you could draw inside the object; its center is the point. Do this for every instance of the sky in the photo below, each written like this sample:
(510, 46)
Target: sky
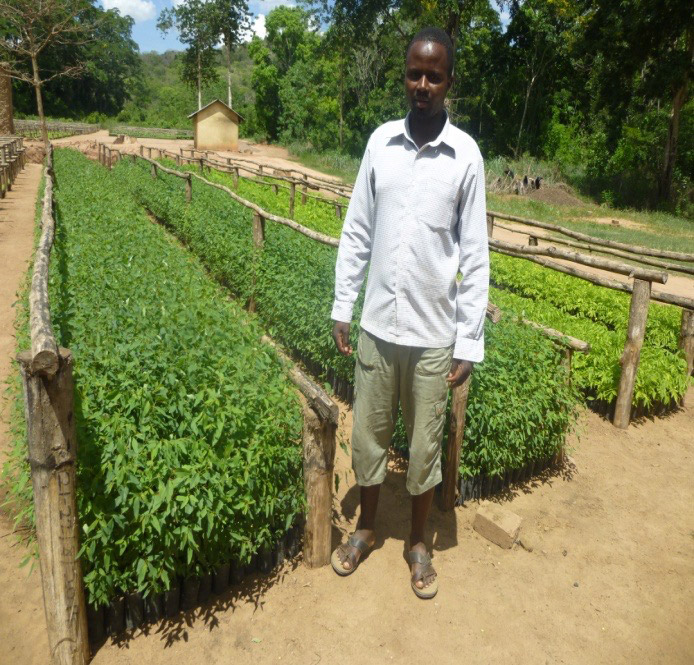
(145, 13)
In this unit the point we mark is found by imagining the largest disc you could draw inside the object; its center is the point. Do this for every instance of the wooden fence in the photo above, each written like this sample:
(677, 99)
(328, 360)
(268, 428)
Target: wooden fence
(451, 479)
(161, 132)
(31, 127)
(12, 161)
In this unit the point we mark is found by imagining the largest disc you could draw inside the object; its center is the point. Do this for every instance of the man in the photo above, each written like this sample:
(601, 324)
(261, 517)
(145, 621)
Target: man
(417, 218)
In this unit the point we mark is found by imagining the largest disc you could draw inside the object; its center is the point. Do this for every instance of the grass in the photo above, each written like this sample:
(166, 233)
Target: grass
(332, 163)
(660, 230)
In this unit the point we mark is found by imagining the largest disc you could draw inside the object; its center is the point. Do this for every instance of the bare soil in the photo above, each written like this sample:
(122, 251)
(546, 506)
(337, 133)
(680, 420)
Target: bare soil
(607, 579)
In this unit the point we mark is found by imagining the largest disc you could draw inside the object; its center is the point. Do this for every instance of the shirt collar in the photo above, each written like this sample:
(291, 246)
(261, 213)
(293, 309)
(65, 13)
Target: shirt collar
(402, 128)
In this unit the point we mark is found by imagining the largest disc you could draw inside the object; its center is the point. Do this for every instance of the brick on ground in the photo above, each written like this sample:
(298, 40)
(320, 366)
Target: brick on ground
(497, 524)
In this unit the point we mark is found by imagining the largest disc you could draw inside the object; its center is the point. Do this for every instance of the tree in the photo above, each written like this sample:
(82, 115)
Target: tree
(29, 27)
(645, 49)
(196, 23)
(232, 20)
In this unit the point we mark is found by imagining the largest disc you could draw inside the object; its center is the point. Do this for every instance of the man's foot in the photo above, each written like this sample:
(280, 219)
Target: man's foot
(423, 578)
(348, 554)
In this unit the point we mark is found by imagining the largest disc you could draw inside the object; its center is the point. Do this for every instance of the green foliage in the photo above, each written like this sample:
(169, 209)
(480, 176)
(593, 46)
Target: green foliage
(187, 425)
(598, 316)
(293, 289)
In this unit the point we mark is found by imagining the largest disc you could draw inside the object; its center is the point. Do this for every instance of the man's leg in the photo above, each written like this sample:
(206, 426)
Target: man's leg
(421, 505)
(375, 411)
(424, 394)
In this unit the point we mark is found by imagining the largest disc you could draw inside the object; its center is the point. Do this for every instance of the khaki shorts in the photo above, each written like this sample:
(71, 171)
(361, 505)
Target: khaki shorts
(388, 374)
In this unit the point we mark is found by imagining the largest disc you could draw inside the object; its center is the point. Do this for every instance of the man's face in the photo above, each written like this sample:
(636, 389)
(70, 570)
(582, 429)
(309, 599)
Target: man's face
(426, 78)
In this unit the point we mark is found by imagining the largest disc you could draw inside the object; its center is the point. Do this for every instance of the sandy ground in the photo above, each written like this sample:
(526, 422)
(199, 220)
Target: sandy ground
(22, 622)
(607, 581)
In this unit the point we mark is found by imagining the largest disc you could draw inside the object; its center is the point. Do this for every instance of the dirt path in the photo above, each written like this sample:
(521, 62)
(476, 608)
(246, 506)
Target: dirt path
(607, 580)
(22, 622)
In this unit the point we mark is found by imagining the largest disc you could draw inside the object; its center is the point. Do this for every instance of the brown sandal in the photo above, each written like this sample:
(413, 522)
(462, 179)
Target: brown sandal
(423, 574)
(343, 548)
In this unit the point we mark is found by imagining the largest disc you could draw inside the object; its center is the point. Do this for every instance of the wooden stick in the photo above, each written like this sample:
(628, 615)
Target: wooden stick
(304, 190)
(258, 230)
(659, 296)
(317, 398)
(635, 249)
(494, 313)
(44, 350)
(587, 247)
(292, 194)
(154, 171)
(686, 340)
(52, 452)
(319, 465)
(189, 189)
(636, 329)
(572, 343)
(455, 442)
(582, 259)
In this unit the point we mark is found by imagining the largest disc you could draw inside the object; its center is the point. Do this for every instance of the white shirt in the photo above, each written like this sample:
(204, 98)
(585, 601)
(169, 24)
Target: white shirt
(417, 216)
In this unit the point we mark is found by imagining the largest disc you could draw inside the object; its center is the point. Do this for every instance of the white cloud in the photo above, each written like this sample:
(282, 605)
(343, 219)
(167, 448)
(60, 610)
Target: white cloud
(140, 10)
(257, 28)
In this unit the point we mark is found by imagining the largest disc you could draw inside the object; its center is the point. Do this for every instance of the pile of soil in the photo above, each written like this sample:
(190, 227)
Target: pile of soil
(554, 195)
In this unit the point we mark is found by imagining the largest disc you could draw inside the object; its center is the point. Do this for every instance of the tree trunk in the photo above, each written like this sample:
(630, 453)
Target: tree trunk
(39, 99)
(227, 53)
(342, 87)
(199, 81)
(525, 111)
(665, 182)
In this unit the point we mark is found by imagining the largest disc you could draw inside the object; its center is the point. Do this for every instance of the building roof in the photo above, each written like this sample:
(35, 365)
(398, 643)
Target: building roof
(215, 101)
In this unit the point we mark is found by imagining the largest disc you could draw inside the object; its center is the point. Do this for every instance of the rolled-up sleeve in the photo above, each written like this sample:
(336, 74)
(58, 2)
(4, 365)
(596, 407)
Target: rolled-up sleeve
(354, 251)
(473, 288)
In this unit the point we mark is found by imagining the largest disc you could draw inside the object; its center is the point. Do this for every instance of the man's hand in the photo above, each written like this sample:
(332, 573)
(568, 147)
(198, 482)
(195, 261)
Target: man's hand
(341, 337)
(460, 371)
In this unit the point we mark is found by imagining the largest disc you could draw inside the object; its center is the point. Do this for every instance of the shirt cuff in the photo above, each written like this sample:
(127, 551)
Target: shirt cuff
(469, 349)
(342, 311)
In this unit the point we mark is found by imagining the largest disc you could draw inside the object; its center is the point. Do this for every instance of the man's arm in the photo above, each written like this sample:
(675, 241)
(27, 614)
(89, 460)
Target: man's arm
(473, 289)
(353, 253)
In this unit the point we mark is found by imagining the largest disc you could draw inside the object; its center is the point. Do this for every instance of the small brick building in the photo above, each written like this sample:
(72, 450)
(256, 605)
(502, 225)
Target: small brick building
(216, 127)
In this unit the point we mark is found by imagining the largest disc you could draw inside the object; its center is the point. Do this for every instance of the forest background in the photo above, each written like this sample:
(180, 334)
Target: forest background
(599, 89)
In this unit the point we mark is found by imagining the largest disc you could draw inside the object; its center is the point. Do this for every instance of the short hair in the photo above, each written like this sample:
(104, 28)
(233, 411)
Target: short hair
(438, 36)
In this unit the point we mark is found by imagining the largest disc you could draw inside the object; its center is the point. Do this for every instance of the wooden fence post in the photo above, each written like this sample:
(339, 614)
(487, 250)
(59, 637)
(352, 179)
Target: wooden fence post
(260, 169)
(490, 225)
(292, 194)
(686, 341)
(133, 158)
(142, 151)
(110, 159)
(304, 190)
(532, 241)
(189, 188)
(338, 210)
(275, 189)
(202, 165)
(455, 441)
(154, 171)
(636, 329)
(236, 177)
(319, 462)
(52, 452)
